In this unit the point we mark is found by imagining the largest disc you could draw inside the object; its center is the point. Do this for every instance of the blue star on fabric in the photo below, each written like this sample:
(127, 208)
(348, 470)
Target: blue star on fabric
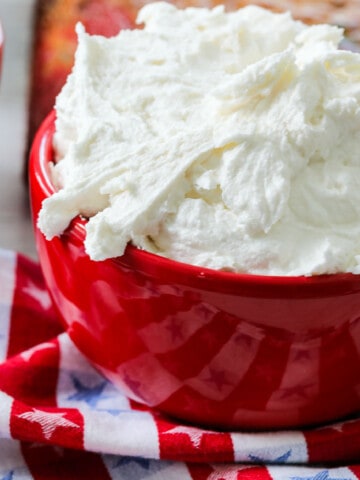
(281, 459)
(90, 395)
(8, 476)
(137, 467)
(113, 411)
(144, 463)
(323, 475)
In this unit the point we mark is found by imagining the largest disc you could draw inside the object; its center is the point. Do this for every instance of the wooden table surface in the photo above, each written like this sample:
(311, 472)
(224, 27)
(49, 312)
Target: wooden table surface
(15, 225)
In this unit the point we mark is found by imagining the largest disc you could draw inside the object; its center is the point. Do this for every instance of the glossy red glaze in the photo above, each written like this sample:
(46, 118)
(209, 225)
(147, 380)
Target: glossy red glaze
(213, 348)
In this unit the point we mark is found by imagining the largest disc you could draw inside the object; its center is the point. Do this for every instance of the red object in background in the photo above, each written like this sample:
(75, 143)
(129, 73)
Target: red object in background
(55, 44)
(213, 348)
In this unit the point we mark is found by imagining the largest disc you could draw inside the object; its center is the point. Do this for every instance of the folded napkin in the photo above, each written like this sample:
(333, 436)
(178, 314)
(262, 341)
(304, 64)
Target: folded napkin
(60, 419)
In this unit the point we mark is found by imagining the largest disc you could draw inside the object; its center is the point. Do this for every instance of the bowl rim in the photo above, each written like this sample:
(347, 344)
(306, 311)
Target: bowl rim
(41, 156)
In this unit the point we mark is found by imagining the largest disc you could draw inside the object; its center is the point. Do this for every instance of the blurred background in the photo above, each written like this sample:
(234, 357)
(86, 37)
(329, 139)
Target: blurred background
(15, 225)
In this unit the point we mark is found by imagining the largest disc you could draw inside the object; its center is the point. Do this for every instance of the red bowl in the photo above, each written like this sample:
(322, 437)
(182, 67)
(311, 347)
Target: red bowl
(214, 348)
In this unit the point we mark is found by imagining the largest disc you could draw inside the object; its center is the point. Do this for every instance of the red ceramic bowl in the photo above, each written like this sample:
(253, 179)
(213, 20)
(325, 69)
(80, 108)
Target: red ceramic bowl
(213, 348)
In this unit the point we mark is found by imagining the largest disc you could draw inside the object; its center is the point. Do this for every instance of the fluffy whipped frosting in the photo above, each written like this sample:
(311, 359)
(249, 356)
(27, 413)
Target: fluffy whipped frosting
(226, 140)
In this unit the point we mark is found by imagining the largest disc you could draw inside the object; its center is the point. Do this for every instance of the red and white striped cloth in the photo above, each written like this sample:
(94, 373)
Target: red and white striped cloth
(60, 419)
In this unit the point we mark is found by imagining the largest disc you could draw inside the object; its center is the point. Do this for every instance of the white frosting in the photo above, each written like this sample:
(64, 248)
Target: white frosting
(227, 140)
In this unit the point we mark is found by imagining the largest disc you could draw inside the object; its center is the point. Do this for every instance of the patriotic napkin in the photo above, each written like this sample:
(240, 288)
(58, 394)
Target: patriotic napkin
(60, 419)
